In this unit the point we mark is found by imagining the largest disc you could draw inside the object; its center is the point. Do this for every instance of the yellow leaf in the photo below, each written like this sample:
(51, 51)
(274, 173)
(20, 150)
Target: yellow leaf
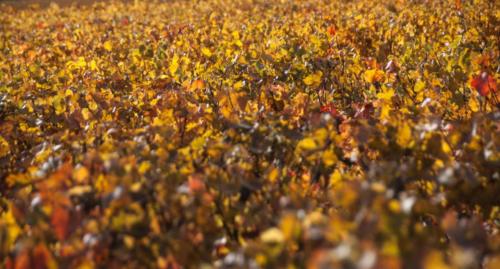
(198, 143)
(238, 85)
(236, 35)
(394, 206)
(136, 56)
(290, 226)
(307, 144)
(123, 220)
(404, 135)
(419, 86)
(374, 75)
(445, 147)
(273, 175)
(4, 147)
(473, 104)
(8, 221)
(329, 158)
(79, 190)
(81, 63)
(387, 94)
(384, 112)
(58, 103)
(272, 236)
(93, 65)
(435, 260)
(391, 248)
(144, 167)
(313, 79)
(81, 174)
(102, 184)
(129, 241)
(206, 52)
(85, 113)
(314, 218)
(192, 125)
(108, 46)
(136, 187)
(174, 65)
(320, 135)
(93, 105)
(335, 178)
(226, 112)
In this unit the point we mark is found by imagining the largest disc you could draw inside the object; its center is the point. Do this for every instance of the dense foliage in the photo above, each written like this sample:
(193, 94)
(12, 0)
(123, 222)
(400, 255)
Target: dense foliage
(250, 133)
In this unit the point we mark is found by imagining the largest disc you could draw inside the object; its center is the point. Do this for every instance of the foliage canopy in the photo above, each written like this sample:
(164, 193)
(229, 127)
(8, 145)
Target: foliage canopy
(250, 133)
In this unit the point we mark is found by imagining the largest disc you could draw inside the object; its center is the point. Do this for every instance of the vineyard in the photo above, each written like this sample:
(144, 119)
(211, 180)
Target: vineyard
(250, 134)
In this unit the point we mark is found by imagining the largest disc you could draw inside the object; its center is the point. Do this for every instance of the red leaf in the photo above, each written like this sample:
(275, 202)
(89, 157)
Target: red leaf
(332, 31)
(125, 21)
(60, 221)
(329, 108)
(41, 257)
(9, 264)
(484, 84)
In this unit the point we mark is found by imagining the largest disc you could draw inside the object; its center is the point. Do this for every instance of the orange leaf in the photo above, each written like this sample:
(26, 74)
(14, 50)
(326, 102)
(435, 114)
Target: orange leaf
(41, 257)
(197, 85)
(331, 30)
(484, 84)
(23, 261)
(196, 184)
(60, 221)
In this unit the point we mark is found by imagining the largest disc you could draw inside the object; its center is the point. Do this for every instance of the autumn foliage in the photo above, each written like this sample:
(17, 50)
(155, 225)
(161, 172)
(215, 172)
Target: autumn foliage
(250, 134)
